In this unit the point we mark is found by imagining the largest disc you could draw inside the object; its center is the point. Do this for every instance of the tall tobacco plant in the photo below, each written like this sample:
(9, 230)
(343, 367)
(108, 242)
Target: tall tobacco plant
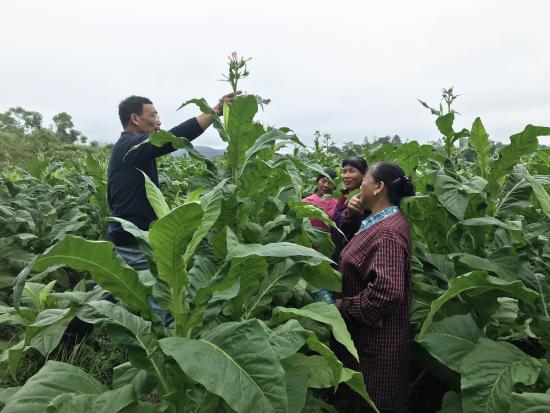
(480, 223)
(232, 264)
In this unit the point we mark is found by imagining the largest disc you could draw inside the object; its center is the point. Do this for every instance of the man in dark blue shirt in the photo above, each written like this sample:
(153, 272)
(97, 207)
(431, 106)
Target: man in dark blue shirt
(125, 183)
(125, 186)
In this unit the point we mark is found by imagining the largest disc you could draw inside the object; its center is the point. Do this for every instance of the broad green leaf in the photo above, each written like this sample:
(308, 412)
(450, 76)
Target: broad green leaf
(37, 166)
(266, 141)
(522, 143)
(52, 380)
(320, 240)
(49, 317)
(142, 237)
(305, 210)
(200, 274)
(451, 339)
(324, 313)
(47, 330)
(535, 183)
(410, 154)
(79, 297)
(195, 195)
(99, 259)
(140, 328)
(248, 268)
(296, 389)
(514, 198)
(211, 207)
(478, 282)
(335, 365)
(155, 197)
(258, 180)
(8, 392)
(489, 221)
(125, 374)
(286, 339)
(207, 109)
(454, 195)
(6, 279)
(489, 372)
(320, 374)
(277, 249)
(322, 276)
(31, 295)
(140, 336)
(241, 130)
(479, 141)
(452, 403)
(282, 278)
(541, 194)
(17, 257)
(162, 137)
(315, 167)
(250, 271)
(541, 284)
(295, 178)
(169, 238)
(506, 266)
(248, 381)
(14, 355)
(530, 403)
(354, 380)
(106, 402)
(445, 124)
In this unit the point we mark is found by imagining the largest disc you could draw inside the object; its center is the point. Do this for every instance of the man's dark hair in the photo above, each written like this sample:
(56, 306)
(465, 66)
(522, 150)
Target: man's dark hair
(358, 162)
(397, 183)
(328, 172)
(132, 105)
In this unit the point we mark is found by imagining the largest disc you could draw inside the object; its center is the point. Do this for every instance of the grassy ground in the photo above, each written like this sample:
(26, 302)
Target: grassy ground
(95, 354)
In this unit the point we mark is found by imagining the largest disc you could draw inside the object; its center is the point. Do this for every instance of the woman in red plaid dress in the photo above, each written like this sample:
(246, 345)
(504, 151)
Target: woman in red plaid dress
(376, 277)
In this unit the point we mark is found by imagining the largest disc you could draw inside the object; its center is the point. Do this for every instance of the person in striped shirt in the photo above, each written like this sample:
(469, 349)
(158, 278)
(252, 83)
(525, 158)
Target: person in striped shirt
(376, 285)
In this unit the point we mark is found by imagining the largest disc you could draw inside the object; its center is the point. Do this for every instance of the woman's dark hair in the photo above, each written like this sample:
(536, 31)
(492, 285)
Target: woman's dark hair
(397, 183)
(132, 105)
(328, 172)
(358, 162)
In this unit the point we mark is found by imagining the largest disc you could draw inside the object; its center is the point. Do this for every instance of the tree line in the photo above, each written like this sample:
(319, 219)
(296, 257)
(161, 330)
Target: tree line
(23, 135)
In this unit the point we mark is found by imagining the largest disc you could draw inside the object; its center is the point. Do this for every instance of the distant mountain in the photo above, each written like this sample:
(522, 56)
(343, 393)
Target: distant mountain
(205, 151)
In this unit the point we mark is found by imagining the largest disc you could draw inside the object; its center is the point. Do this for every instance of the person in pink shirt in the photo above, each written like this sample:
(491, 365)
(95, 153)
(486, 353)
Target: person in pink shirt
(325, 186)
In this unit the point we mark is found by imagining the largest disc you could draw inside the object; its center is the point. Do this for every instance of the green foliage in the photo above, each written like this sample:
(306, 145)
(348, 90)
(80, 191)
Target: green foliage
(223, 261)
(231, 257)
(23, 136)
(479, 266)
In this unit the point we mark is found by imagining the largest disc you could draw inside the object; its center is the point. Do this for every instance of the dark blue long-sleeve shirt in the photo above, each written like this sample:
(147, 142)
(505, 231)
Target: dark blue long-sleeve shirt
(125, 183)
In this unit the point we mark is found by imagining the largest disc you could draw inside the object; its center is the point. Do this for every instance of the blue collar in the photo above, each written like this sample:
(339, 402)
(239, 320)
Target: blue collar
(373, 219)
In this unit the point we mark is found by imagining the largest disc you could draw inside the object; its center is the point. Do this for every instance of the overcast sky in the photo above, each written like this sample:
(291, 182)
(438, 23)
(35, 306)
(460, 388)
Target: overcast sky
(351, 68)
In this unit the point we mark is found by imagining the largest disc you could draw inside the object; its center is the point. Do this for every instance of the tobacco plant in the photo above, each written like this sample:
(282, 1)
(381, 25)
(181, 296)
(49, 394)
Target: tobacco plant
(480, 223)
(232, 263)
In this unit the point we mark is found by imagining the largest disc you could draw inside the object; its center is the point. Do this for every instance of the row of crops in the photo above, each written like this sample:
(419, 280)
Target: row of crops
(231, 258)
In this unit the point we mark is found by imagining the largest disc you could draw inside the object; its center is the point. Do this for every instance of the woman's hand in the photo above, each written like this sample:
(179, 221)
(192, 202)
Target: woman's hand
(354, 205)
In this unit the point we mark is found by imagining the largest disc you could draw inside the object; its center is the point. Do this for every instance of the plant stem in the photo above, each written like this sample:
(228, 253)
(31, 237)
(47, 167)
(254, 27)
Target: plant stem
(177, 304)
(159, 375)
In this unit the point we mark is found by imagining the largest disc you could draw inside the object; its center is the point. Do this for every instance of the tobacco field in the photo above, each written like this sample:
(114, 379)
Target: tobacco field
(231, 258)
